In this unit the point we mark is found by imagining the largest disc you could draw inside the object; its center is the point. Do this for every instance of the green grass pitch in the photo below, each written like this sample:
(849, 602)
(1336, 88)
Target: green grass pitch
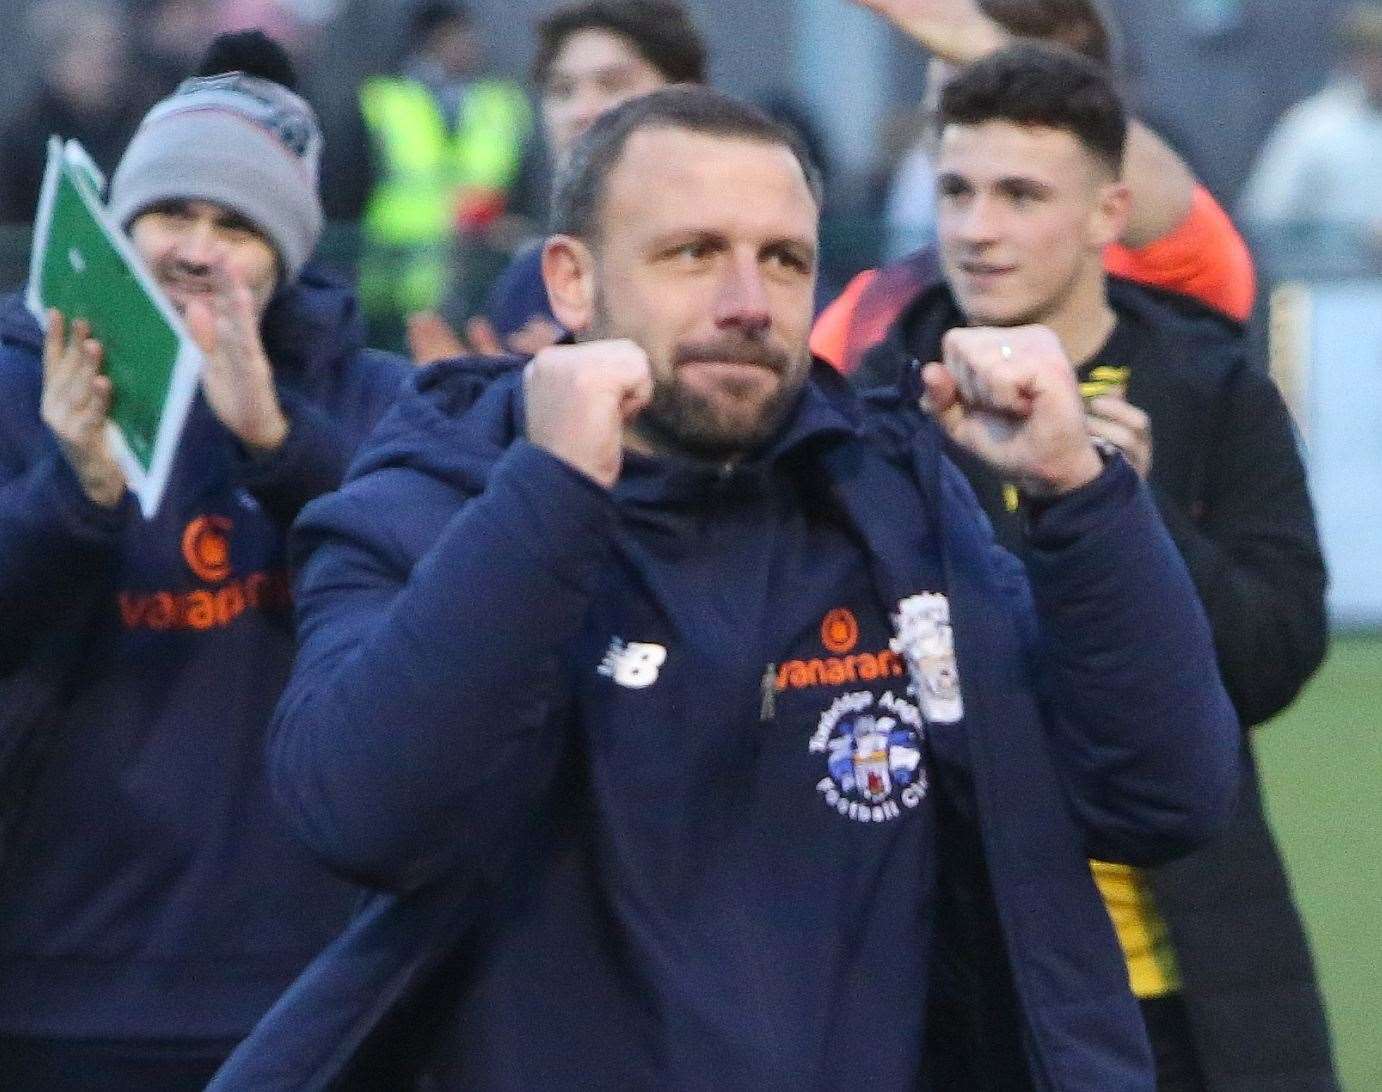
(1322, 774)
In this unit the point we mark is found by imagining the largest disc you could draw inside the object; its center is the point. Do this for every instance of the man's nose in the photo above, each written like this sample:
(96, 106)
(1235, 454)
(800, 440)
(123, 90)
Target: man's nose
(742, 302)
(587, 105)
(199, 245)
(979, 223)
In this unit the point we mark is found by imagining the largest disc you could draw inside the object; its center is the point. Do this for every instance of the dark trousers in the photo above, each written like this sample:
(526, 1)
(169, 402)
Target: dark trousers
(1173, 1046)
(110, 1065)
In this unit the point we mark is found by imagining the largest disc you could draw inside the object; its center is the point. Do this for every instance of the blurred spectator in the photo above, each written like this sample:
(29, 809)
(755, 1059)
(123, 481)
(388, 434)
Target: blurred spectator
(171, 36)
(86, 92)
(152, 907)
(273, 17)
(591, 56)
(908, 176)
(1316, 192)
(447, 147)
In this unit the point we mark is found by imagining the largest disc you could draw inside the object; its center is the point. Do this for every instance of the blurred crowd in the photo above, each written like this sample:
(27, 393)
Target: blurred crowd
(89, 69)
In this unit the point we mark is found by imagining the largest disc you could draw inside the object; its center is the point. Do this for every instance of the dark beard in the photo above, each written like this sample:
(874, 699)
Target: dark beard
(678, 419)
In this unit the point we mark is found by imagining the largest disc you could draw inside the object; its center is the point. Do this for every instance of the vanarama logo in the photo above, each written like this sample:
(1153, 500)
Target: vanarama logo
(840, 637)
(840, 631)
(206, 550)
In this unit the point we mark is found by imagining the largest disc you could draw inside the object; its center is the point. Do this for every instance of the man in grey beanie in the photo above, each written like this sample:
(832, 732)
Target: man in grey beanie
(151, 907)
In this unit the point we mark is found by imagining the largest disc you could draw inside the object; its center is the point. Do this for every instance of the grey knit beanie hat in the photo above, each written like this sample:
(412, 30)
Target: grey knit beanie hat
(235, 140)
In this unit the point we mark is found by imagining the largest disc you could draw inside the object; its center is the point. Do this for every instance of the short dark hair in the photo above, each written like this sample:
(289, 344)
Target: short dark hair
(660, 30)
(1044, 86)
(1082, 25)
(580, 186)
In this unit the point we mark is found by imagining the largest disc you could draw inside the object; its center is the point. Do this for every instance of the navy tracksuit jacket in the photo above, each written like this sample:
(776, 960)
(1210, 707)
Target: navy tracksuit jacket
(651, 801)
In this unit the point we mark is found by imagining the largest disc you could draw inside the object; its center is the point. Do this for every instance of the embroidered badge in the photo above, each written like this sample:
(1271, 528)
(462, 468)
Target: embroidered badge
(872, 749)
(926, 641)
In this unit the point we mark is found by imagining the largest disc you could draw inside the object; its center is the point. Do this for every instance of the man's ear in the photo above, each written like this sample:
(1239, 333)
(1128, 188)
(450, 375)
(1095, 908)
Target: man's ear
(1109, 220)
(568, 270)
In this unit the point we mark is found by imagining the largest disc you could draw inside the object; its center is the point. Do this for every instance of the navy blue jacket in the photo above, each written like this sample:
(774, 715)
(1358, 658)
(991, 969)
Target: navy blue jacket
(446, 740)
(147, 888)
(518, 294)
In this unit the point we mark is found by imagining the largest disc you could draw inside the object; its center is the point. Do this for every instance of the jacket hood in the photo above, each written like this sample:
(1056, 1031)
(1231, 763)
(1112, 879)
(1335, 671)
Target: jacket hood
(313, 324)
(432, 428)
(309, 327)
(462, 414)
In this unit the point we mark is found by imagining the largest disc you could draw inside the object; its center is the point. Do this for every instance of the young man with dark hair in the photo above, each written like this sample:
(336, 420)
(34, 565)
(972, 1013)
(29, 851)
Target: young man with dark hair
(591, 56)
(1176, 238)
(1030, 155)
(152, 905)
(660, 33)
(680, 709)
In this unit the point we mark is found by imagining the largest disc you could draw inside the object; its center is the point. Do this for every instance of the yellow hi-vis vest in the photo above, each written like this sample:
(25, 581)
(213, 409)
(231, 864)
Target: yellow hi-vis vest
(410, 219)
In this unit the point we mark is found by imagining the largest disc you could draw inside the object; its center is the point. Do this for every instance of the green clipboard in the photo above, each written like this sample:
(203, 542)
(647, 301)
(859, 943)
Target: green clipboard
(85, 266)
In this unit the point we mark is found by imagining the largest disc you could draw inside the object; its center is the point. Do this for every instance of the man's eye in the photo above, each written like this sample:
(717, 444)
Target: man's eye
(237, 230)
(693, 252)
(790, 260)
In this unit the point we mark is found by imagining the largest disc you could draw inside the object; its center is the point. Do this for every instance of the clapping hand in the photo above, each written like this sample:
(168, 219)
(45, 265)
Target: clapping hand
(237, 379)
(75, 405)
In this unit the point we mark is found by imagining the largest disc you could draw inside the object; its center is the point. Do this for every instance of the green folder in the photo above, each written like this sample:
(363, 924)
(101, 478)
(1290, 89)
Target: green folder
(84, 265)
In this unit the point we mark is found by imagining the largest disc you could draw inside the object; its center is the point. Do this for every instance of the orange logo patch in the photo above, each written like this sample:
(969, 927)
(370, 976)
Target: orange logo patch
(206, 548)
(839, 632)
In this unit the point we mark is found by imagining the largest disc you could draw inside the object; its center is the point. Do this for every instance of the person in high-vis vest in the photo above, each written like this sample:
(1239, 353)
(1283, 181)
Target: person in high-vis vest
(590, 56)
(447, 148)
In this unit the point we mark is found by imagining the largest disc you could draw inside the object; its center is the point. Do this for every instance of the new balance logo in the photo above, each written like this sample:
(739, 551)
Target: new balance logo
(633, 663)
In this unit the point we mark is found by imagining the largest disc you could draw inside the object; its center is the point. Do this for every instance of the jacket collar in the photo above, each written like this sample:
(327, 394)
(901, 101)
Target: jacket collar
(825, 411)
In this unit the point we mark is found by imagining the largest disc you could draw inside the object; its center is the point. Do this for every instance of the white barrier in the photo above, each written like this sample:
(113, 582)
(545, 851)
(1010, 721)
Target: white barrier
(1327, 356)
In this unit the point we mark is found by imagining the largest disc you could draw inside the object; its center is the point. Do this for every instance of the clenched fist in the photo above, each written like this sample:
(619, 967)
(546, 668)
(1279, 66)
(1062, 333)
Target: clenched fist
(579, 398)
(1010, 397)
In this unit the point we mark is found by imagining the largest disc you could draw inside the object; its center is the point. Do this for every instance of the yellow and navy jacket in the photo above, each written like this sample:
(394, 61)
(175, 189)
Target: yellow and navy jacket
(1220, 925)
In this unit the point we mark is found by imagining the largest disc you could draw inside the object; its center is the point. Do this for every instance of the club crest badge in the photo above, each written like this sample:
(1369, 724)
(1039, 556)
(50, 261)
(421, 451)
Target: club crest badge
(872, 749)
(926, 641)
